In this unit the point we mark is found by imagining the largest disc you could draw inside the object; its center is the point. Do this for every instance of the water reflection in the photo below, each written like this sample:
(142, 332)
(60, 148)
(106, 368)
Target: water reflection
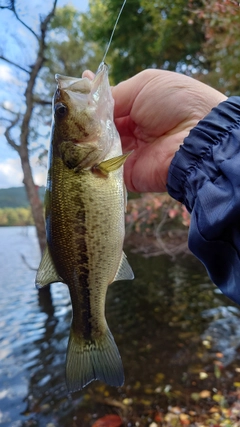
(223, 333)
(171, 326)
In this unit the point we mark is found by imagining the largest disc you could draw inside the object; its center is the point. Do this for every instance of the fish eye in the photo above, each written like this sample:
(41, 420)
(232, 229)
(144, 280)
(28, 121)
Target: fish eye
(60, 109)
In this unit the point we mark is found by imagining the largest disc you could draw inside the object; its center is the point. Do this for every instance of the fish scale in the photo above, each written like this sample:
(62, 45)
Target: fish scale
(94, 248)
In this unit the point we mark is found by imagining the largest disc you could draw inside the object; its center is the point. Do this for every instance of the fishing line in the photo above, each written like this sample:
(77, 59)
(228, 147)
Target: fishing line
(114, 28)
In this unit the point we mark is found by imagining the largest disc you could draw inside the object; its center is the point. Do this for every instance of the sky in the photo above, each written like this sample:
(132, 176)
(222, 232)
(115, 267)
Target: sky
(10, 167)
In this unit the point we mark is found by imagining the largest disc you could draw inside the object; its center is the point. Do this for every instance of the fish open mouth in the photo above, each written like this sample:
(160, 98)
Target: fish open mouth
(73, 84)
(82, 85)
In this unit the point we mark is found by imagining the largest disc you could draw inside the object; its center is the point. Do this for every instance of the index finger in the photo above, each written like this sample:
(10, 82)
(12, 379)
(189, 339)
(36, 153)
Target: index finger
(89, 74)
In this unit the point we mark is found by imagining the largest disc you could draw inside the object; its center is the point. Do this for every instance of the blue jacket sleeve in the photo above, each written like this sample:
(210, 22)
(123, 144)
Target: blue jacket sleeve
(205, 176)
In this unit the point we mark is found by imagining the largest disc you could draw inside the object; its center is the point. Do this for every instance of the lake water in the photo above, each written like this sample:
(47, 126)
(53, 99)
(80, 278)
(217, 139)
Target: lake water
(176, 333)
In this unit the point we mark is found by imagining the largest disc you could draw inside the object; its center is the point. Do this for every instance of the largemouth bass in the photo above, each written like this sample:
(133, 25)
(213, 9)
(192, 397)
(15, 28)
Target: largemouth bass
(85, 205)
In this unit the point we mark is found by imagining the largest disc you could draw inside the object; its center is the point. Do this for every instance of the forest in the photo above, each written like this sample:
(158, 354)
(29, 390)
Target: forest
(199, 38)
(14, 206)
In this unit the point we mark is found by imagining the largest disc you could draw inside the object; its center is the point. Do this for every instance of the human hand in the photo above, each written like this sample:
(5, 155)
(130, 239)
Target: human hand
(154, 111)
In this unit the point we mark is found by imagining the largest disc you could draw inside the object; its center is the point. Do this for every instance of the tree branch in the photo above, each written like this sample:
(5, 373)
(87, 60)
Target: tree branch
(33, 76)
(48, 18)
(8, 111)
(7, 134)
(14, 63)
(7, 7)
(42, 101)
(11, 7)
(25, 130)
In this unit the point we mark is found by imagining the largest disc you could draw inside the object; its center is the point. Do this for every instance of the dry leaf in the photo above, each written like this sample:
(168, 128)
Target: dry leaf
(204, 394)
(108, 421)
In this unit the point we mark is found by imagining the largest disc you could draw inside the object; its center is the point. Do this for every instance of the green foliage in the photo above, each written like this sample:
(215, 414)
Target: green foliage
(14, 206)
(149, 34)
(68, 51)
(15, 216)
(196, 37)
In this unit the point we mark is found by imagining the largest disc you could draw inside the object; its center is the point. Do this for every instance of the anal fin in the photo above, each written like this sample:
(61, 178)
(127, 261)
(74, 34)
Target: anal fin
(124, 271)
(46, 273)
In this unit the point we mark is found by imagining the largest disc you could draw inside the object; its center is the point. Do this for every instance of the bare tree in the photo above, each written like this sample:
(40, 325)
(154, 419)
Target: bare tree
(23, 120)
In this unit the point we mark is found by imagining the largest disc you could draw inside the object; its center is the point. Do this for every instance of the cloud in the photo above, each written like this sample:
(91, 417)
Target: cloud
(11, 174)
(40, 178)
(8, 105)
(7, 75)
(39, 172)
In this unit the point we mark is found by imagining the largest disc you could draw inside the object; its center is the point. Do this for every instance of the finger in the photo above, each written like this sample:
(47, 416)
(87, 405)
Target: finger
(125, 126)
(140, 172)
(146, 169)
(89, 74)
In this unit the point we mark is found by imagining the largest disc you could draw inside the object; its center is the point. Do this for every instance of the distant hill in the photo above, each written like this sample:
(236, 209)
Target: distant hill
(16, 197)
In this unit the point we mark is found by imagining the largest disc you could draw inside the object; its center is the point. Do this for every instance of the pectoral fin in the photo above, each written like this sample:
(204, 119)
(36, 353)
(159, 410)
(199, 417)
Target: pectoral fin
(110, 165)
(124, 271)
(46, 273)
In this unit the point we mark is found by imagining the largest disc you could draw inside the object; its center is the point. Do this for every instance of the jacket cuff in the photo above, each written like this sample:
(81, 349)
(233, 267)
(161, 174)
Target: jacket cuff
(205, 176)
(206, 144)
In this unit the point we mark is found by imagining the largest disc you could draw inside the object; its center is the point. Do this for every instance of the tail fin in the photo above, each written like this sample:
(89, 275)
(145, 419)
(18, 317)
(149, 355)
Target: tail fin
(93, 360)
